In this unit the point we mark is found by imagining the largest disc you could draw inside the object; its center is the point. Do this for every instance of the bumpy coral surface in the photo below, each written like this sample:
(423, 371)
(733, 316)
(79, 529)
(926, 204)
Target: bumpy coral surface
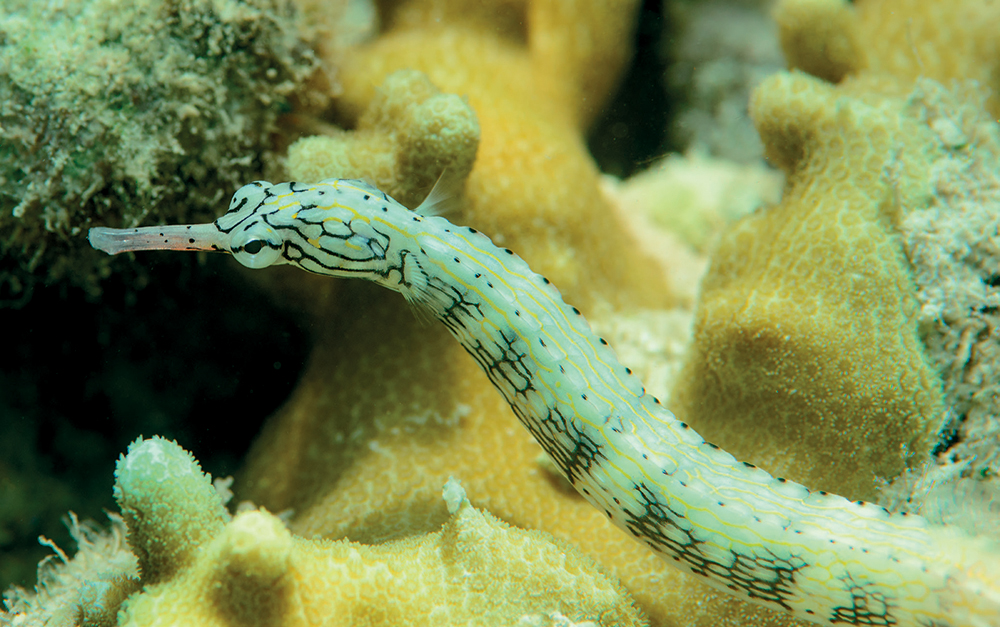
(926, 55)
(410, 135)
(903, 39)
(533, 187)
(807, 320)
(388, 407)
(251, 571)
(811, 323)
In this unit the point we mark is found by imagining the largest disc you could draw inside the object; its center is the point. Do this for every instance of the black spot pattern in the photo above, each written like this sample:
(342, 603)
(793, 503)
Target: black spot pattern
(575, 452)
(502, 355)
(869, 606)
(663, 529)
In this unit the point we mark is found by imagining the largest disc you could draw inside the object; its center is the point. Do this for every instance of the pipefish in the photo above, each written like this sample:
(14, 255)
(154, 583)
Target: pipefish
(763, 538)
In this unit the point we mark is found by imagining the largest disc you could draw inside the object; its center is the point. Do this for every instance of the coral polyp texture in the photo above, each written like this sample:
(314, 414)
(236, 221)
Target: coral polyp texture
(818, 556)
(388, 408)
(131, 113)
(250, 570)
(936, 65)
(806, 325)
(410, 135)
(904, 40)
(810, 320)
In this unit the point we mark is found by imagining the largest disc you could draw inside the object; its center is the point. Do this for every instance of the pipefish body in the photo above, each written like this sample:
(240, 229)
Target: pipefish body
(762, 538)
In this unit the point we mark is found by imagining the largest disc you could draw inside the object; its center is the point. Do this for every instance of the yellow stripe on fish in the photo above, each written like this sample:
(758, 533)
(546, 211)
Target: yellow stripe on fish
(765, 539)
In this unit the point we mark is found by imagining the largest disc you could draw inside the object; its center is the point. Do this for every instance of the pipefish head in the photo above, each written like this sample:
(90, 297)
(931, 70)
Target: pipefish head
(337, 227)
(248, 228)
(243, 231)
(312, 226)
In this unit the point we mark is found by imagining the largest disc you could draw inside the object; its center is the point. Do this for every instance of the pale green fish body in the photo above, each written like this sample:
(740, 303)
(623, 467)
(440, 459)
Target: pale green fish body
(772, 541)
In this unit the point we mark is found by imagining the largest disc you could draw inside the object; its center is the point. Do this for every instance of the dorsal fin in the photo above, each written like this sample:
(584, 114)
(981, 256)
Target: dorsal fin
(443, 196)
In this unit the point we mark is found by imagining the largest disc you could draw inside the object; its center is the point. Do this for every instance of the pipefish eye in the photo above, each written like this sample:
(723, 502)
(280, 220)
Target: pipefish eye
(257, 247)
(253, 247)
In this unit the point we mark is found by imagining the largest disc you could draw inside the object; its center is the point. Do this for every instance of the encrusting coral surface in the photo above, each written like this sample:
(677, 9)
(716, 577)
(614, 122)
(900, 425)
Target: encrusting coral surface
(210, 569)
(389, 407)
(821, 323)
(807, 319)
(402, 411)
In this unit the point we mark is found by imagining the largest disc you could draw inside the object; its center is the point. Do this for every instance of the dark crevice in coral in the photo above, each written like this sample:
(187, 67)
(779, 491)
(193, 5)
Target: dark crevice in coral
(194, 356)
(950, 435)
(632, 130)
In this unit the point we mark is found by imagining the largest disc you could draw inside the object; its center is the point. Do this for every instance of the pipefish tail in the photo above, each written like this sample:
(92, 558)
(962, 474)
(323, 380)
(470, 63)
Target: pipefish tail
(765, 539)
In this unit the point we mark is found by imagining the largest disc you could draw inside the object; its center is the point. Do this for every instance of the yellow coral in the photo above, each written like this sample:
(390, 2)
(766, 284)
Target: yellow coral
(943, 41)
(806, 330)
(533, 187)
(252, 571)
(387, 408)
(820, 37)
(410, 135)
(806, 342)
(902, 40)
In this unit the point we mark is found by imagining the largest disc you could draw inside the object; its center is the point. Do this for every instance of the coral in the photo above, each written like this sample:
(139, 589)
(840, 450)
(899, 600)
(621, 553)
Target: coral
(806, 327)
(943, 239)
(409, 136)
(695, 197)
(820, 37)
(130, 113)
(388, 408)
(675, 210)
(169, 505)
(913, 39)
(251, 571)
(86, 590)
(954, 247)
(810, 321)
(533, 186)
(134, 362)
(904, 40)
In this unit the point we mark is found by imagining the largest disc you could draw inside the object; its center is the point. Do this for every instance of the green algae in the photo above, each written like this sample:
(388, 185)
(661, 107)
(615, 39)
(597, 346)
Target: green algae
(127, 113)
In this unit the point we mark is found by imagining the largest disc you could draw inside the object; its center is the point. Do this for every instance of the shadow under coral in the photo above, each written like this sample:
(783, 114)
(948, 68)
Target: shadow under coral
(194, 355)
